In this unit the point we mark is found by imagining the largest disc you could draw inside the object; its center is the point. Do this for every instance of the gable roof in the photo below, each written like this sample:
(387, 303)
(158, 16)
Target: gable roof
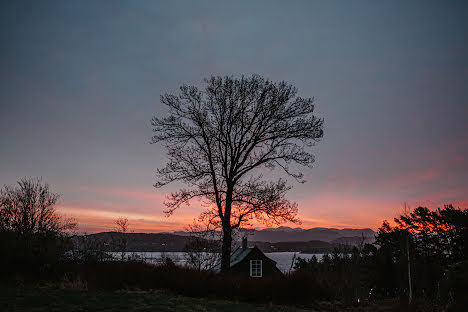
(239, 255)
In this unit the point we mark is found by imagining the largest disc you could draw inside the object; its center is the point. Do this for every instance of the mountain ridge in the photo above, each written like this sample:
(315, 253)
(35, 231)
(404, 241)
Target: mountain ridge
(157, 242)
(287, 234)
(268, 240)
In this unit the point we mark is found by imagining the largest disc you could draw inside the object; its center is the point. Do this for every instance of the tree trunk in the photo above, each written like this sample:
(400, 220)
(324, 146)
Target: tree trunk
(410, 289)
(226, 249)
(227, 231)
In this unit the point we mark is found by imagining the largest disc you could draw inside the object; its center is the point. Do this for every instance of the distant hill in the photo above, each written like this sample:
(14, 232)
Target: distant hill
(353, 240)
(280, 239)
(303, 247)
(285, 234)
(135, 241)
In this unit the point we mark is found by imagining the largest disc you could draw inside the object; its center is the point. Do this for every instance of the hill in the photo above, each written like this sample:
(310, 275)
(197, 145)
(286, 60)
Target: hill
(268, 240)
(285, 234)
(109, 241)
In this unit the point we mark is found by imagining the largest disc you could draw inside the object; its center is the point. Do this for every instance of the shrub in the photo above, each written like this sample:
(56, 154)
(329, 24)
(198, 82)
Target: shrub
(296, 288)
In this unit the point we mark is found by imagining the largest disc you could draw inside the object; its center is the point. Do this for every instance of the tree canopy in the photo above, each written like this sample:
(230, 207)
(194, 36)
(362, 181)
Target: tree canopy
(219, 140)
(29, 208)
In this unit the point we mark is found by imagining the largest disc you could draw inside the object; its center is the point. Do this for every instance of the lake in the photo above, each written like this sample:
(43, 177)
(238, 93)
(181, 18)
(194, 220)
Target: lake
(283, 259)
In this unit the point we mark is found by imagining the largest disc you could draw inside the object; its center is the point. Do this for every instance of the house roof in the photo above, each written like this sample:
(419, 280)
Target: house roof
(237, 256)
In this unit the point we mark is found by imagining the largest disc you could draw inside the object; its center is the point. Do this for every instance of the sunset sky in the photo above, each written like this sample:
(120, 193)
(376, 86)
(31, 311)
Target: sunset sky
(81, 80)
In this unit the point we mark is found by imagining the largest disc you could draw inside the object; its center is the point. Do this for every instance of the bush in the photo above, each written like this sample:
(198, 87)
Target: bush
(115, 275)
(31, 256)
(32, 233)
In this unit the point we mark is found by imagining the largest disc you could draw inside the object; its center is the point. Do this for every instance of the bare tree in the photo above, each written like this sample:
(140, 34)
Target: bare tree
(121, 224)
(219, 139)
(33, 234)
(122, 228)
(202, 250)
(29, 208)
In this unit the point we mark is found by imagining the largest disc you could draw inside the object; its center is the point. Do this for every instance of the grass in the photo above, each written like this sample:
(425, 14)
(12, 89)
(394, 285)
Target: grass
(53, 299)
(42, 299)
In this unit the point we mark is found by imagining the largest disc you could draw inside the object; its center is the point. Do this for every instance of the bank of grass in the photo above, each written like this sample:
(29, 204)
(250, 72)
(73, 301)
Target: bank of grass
(297, 289)
(51, 298)
(127, 286)
(42, 299)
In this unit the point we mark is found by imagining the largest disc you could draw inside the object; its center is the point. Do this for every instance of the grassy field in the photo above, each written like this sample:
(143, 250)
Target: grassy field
(41, 299)
(53, 299)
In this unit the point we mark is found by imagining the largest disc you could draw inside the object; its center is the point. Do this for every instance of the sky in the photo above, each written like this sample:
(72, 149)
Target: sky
(81, 80)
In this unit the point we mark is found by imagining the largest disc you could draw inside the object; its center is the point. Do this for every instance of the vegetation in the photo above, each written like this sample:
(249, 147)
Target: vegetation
(419, 260)
(52, 299)
(423, 256)
(29, 209)
(102, 278)
(217, 140)
(31, 230)
(58, 299)
(202, 249)
(120, 241)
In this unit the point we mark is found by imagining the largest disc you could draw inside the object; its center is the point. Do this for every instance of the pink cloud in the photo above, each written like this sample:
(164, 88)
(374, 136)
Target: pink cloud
(439, 198)
(346, 200)
(153, 195)
(92, 220)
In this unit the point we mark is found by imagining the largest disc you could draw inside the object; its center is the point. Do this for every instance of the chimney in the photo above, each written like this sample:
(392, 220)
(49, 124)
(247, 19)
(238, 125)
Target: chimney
(244, 242)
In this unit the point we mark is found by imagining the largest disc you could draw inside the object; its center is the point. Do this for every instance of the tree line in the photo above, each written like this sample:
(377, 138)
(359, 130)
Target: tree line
(422, 255)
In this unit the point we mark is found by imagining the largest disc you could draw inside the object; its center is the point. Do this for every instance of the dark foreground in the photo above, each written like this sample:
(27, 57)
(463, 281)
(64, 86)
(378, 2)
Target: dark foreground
(40, 299)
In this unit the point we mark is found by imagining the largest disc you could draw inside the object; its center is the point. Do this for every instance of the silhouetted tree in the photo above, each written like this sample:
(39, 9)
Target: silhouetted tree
(29, 208)
(422, 246)
(121, 224)
(428, 246)
(32, 233)
(121, 241)
(201, 254)
(218, 139)
(202, 250)
(88, 249)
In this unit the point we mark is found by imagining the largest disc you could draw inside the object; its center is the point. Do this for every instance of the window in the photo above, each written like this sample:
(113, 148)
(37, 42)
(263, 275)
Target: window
(256, 268)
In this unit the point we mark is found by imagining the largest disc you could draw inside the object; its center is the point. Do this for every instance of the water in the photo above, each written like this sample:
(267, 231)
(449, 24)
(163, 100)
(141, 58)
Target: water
(283, 259)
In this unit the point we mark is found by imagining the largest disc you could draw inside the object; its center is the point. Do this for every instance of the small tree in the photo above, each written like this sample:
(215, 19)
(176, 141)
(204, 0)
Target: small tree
(219, 139)
(89, 249)
(202, 250)
(31, 230)
(121, 224)
(29, 208)
(122, 228)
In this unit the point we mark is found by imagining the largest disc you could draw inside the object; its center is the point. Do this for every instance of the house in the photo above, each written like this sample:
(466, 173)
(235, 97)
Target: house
(251, 261)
